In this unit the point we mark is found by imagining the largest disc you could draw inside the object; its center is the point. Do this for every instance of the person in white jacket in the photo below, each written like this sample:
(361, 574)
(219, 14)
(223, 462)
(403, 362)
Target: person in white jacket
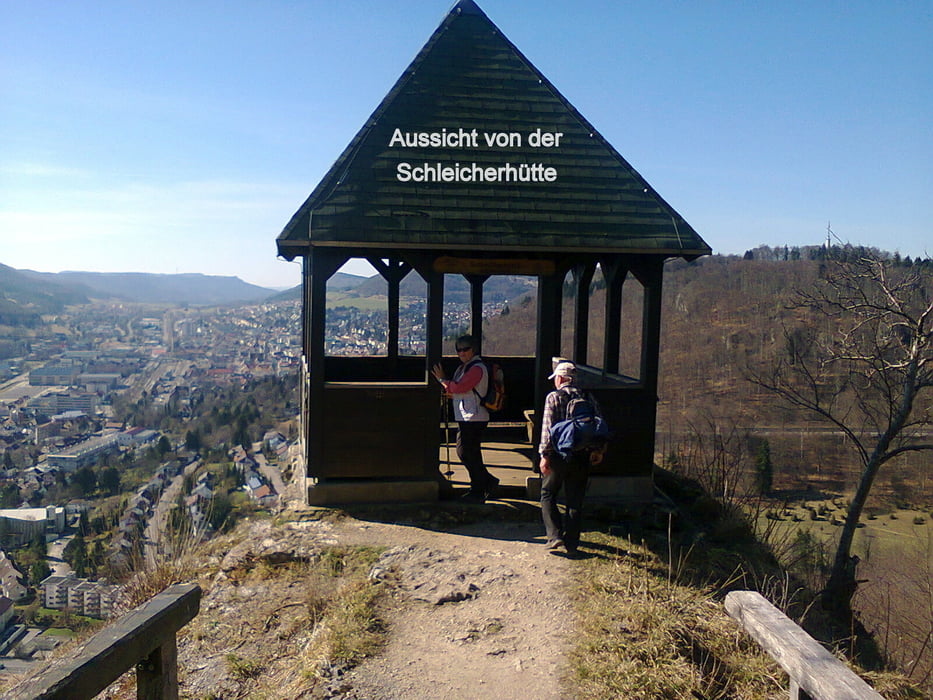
(466, 389)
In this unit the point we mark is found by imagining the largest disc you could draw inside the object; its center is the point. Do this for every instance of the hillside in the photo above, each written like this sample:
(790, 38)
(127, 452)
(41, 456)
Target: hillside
(190, 288)
(354, 289)
(497, 289)
(379, 603)
(23, 301)
(339, 282)
(721, 318)
(47, 292)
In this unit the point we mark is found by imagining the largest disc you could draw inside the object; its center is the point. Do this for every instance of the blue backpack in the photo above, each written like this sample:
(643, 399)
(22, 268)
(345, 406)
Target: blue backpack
(582, 428)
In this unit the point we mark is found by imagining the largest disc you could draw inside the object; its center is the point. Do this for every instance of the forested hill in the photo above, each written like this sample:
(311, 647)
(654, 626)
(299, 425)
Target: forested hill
(720, 315)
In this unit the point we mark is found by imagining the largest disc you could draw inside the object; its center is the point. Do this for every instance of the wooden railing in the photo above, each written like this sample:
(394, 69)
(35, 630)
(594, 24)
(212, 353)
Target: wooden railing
(144, 638)
(815, 674)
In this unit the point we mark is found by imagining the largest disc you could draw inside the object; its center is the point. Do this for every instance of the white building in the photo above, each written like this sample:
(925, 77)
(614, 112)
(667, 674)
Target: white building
(84, 454)
(55, 590)
(11, 580)
(82, 597)
(25, 524)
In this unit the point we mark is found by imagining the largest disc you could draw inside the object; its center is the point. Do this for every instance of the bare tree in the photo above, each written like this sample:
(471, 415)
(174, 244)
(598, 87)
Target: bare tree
(865, 371)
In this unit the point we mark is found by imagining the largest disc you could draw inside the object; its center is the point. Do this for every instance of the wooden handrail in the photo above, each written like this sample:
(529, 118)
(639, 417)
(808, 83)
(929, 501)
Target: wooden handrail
(815, 674)
(144, 638)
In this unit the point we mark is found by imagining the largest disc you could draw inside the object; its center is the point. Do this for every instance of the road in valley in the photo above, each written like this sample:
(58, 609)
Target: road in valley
(157, 524)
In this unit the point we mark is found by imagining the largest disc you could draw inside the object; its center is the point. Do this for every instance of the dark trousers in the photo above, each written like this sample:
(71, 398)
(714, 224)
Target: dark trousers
(571, 475)
(470, 453)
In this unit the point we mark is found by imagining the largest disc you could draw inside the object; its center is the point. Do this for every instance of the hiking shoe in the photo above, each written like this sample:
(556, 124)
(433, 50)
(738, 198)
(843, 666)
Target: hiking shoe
(473, 497)
(555, 544)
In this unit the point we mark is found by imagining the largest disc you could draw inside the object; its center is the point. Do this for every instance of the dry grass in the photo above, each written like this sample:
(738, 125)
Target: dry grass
(643, 634)
(287, 629)
(270, 627)
(343, 602)
(650, 620)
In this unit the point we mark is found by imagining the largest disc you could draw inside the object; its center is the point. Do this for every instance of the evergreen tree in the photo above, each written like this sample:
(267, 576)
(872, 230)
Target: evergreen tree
(764, 469)
(163, 446)
(219, 510)
(85, 479)
(241, 436)
(10, 496)
(109, 481)
(38, 546)
(193, 440)
(76, 555)
(39, 571)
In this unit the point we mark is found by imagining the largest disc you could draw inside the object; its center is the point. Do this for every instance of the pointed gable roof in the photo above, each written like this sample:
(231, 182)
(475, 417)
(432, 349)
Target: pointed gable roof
(422, 172)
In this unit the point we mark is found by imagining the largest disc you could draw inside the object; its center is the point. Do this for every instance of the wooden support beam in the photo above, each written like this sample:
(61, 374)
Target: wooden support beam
(393, 272)
(583, 278)
(651, 281)
(493, 266)
(157, 674)
(434, 347)
(548, 345)
(324, 263)
(476, 307)
(614, 274)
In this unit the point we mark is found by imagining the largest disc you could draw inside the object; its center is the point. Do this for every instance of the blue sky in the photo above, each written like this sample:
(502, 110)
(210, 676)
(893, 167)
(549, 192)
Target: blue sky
(181, 137)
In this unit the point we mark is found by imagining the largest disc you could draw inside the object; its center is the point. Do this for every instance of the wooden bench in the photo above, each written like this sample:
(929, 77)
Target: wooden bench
(815, 674)
(144, 638)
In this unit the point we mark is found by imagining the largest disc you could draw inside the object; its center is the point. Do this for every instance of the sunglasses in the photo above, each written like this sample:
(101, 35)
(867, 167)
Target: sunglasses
(464, 349)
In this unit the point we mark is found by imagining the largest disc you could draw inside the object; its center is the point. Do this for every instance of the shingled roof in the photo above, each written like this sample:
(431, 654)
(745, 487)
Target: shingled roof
(421, 173)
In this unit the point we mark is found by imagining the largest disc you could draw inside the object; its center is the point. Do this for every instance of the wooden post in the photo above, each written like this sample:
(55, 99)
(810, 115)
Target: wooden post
(476, 308)
(583, 277)
(650, 277)
(324, 263)
(157, 674)
(548, 343)
(815, 673)
(614, 273)
(797, 693)
(393, 273)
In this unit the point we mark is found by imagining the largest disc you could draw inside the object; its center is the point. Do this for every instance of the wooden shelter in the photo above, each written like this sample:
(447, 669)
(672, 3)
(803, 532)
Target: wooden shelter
(474, 164)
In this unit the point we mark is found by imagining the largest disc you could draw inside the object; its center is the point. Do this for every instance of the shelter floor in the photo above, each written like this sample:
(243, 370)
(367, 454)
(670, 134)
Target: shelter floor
(511, 463)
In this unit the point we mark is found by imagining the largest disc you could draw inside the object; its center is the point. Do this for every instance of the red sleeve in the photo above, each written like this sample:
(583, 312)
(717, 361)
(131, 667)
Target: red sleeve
(469, 380)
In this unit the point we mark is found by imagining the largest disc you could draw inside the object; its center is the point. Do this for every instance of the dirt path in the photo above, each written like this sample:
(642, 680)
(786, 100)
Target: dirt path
(480, 612)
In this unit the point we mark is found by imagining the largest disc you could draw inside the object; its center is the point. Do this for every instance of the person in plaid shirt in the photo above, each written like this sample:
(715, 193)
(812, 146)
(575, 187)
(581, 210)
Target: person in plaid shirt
(571, 474)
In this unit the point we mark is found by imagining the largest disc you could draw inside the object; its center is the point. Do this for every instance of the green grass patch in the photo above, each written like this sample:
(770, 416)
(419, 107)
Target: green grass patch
(897, 531)
(350, 300)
